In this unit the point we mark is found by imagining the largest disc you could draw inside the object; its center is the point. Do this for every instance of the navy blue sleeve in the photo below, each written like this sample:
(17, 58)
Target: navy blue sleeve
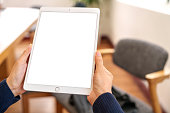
(6, 97)
(106, 103)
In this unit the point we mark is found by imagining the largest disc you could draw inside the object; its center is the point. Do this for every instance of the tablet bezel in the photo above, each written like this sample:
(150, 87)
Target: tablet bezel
(63, 89)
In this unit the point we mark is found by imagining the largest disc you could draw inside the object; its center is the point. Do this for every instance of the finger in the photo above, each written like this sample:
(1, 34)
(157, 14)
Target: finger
(99, 61)
(25, 54)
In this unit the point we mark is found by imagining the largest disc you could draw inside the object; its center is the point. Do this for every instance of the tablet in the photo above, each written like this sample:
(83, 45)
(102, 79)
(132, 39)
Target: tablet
(63, 52)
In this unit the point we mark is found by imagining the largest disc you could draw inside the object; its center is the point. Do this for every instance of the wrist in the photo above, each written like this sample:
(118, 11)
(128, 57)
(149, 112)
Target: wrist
(13, 90)
(102, 92)
(98, 94)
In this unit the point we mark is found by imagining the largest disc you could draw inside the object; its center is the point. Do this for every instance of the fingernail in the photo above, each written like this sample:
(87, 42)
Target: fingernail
(30, 45)
(98, 53)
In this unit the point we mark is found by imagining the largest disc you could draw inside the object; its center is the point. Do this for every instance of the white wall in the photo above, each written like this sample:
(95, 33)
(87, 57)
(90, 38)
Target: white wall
(138, 23)
(105, 18)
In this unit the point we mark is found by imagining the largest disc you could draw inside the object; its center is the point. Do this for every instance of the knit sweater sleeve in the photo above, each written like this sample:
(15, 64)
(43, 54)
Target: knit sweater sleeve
(106, 103)
(6, 97)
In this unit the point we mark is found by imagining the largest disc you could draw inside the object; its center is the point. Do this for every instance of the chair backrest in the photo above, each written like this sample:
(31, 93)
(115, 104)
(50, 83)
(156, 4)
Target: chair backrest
(139, 57)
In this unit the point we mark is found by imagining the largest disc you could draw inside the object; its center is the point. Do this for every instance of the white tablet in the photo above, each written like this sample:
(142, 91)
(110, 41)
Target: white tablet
(63, 52)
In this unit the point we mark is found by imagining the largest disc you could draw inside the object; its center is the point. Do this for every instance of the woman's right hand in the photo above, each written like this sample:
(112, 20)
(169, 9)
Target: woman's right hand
(102, 80)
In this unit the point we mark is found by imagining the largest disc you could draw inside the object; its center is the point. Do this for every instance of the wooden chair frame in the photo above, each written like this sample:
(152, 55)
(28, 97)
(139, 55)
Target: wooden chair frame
(153, 79)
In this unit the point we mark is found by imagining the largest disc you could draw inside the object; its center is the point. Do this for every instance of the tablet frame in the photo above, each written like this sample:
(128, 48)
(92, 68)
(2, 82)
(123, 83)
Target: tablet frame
(63, 89)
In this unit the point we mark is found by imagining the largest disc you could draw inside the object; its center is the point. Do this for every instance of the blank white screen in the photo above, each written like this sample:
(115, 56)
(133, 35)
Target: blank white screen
(63, 50)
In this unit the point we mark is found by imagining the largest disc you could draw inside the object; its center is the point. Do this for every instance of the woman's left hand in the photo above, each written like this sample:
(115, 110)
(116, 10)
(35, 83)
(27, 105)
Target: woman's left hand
(15, 80)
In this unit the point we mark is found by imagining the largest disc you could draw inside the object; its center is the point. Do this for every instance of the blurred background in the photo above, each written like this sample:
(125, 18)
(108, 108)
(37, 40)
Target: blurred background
(141, 20)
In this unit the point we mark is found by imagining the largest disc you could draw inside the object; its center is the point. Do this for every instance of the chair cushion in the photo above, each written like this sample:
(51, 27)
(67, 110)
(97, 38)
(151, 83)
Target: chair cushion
(139, 57)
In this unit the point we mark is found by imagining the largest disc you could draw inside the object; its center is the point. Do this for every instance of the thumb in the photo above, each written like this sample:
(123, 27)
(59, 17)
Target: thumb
(99, 61)
(26, 54)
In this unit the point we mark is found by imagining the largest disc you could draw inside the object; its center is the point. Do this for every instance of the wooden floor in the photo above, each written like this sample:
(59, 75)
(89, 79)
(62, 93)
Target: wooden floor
(122, 79)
